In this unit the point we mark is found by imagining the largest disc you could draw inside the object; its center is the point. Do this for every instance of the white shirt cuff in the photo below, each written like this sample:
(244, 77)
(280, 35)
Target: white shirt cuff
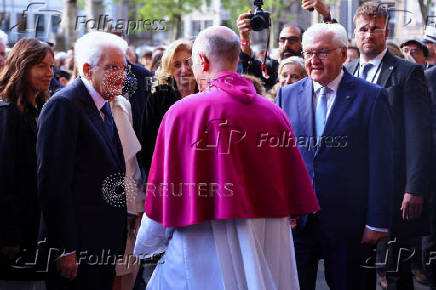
(383, 230)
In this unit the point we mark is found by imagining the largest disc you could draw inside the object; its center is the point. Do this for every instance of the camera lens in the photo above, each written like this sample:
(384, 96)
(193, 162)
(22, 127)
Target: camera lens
(258, 23)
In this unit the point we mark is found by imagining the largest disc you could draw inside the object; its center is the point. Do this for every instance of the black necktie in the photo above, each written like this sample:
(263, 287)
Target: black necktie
(366, 68)
(109, 123)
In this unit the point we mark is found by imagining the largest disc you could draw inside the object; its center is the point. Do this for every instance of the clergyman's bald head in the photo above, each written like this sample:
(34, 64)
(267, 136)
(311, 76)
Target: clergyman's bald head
(218, 43)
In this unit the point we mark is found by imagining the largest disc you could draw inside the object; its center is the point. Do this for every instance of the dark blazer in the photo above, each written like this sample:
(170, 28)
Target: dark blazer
(410, 105)
(157, 105)
(430, 76)
(19, 209)
(137, 88)
(351, 168)
(78, 166)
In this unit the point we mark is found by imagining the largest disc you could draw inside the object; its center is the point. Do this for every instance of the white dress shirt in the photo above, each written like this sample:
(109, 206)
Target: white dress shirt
(374, 71)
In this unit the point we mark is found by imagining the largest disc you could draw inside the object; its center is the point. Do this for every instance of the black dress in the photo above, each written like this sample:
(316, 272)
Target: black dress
(19, 206)
(157, 105)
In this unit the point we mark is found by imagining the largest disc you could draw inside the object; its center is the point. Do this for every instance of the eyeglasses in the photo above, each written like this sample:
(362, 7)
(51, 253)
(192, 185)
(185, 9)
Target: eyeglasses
(322, 54)
(363, 31)
(290, 39)
(187, 62)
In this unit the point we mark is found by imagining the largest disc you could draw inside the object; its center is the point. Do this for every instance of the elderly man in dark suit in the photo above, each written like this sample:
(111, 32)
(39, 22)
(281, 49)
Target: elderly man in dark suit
(343, 127)
(410, 105)
(80, 164)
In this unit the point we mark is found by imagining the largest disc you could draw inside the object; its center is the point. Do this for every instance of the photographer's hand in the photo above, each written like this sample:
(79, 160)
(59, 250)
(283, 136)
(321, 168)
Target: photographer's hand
(244, 29)
(318, 5)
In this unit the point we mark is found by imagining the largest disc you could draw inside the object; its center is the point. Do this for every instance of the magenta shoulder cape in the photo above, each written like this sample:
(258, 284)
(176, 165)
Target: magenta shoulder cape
(226, 153)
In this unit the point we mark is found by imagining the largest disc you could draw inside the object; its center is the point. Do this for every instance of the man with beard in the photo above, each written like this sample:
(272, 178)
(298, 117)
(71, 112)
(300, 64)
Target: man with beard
(410, 105)
(80, 164)
(289, 43)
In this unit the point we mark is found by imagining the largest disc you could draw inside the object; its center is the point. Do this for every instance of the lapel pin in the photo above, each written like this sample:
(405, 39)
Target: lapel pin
(391, 67)
(348, 97)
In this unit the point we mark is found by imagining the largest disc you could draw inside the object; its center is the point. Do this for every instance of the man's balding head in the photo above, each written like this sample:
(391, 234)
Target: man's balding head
(218, 43)
(216, 49)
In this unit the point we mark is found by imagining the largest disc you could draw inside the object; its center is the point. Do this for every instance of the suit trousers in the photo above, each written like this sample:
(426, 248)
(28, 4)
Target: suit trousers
(400, 253)
(345, 261)
(88, 278)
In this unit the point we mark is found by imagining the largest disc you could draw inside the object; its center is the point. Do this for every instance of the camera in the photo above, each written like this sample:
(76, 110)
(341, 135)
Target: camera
(259, 20)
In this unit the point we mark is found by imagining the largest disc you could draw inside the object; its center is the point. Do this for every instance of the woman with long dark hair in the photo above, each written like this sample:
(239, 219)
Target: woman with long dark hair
(24, 87)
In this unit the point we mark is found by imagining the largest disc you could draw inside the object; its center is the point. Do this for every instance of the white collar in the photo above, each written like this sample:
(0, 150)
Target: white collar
(375, 61)
(333, 85)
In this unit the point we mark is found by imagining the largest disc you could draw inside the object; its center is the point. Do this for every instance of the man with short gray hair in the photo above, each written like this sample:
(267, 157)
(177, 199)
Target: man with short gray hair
(219, 189)
(80, 164)
(344, 129)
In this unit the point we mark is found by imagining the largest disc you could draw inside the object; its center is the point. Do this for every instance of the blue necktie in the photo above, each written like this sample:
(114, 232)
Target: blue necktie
(366, 68)
(109, 123)
(321, 111)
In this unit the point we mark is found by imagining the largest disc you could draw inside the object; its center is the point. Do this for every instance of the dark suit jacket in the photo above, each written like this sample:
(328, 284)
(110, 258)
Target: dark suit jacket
(77, 167)
(138, 87)
(351, 169)
(410, 105)
(157, 105)
(430, 76)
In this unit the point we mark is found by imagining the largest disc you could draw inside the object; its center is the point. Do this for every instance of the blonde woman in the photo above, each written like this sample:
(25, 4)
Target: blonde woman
(174, 81)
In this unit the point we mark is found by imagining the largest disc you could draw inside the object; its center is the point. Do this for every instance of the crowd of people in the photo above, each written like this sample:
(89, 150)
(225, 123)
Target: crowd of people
(218, 167)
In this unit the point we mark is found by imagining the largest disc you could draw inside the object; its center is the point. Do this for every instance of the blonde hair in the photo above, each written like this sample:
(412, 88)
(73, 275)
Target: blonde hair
(163, 74)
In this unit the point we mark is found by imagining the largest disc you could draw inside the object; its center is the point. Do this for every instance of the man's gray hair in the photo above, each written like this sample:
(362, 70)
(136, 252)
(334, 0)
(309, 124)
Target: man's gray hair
(4, 38)
(338, 31)
(89, 48)
(292, 60)
(218, 43)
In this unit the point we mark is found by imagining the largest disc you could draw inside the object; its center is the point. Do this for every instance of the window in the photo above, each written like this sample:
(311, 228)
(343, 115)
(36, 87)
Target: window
(4, 21)
(196, 27)
(208, 23)
(55, 23)
(39, 22)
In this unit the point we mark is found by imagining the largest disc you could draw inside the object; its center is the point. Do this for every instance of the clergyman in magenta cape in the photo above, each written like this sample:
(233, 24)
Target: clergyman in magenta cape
(226, 153)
